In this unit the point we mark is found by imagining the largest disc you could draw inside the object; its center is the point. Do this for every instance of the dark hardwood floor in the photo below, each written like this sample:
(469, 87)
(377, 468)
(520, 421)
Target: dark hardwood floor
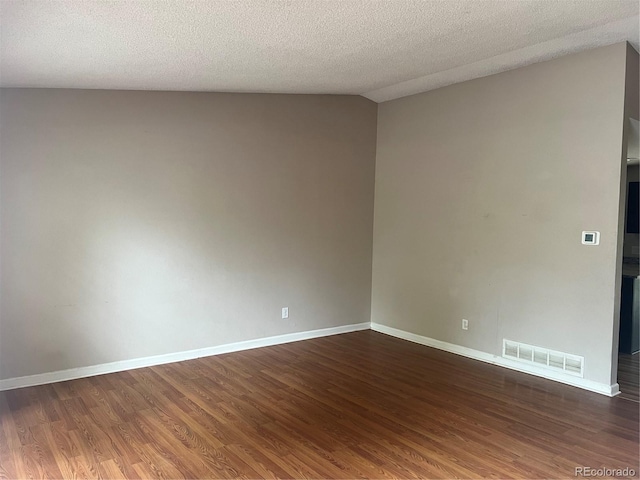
(358, 405)
(629, 376)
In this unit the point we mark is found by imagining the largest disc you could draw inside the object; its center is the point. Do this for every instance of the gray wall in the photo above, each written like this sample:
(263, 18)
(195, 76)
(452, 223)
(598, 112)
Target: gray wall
(143, 223)
(482, 191)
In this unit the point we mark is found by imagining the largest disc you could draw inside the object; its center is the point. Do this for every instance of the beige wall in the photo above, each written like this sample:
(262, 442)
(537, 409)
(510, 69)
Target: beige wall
(625, 242)
(482, 191)
(632, 90)
(144, 223)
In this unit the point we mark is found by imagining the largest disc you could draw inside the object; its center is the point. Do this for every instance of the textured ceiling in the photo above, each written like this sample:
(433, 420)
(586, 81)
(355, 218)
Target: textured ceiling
(382, 49)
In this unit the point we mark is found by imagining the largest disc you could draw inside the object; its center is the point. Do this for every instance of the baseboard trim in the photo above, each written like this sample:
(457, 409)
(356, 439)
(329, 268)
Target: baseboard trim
(82, 372)
(601, 388)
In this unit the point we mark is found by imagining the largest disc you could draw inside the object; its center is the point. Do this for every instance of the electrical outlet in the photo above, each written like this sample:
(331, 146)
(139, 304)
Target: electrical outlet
(465, 324)
(285, 312)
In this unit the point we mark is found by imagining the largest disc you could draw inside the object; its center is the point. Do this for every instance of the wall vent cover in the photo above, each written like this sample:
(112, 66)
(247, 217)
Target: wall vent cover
(543, 357)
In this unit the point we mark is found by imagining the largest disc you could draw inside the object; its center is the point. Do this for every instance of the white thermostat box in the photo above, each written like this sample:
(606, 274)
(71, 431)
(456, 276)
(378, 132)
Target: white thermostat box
(590, 238)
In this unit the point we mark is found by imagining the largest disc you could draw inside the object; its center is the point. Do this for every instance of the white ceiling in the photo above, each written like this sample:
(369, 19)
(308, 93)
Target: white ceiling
(381, 49)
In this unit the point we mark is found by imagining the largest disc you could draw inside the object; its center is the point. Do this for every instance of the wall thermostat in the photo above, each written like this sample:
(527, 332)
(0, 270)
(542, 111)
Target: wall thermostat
(590, 238)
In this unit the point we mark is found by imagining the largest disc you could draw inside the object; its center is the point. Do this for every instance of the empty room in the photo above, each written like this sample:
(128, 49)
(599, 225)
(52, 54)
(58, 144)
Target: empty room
(319, 239)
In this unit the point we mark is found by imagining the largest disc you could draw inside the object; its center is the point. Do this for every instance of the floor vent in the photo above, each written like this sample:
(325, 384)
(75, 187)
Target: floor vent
(543, 357)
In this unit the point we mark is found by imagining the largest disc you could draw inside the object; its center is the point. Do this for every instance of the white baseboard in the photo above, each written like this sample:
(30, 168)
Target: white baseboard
(602, 388)
(81, 372)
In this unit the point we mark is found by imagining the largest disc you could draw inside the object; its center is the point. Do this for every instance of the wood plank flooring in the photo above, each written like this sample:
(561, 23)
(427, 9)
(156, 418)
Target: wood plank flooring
(358, 405)
(629, 376)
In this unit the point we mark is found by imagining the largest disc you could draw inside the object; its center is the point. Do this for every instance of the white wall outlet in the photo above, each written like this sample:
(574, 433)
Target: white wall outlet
(465, 324)
(285, 312)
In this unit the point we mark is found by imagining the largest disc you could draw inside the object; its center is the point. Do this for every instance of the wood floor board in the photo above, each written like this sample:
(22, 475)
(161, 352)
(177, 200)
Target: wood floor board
(629, 376)
(357, 405)
(366, 468)
(7, 466)
(150, 461)
(260, 464)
